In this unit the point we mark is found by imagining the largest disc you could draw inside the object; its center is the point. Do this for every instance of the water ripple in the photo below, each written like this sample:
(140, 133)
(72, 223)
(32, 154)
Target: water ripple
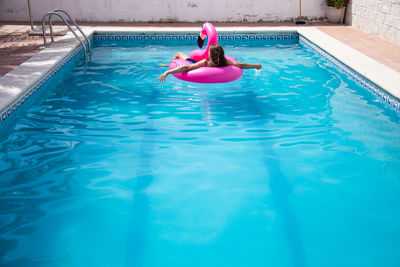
(107, 148)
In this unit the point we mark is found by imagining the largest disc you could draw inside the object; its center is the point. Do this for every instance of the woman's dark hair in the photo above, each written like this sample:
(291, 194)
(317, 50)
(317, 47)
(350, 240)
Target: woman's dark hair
(217, 55)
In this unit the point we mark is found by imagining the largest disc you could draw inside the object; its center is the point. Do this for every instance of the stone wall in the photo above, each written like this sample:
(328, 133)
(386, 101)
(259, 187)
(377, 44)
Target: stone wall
(165, 10)
(379, 17)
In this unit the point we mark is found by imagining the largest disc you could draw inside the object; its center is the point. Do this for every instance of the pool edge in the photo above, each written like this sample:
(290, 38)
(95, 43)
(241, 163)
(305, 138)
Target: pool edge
(15, 87)
(19, 84)
(376, 72)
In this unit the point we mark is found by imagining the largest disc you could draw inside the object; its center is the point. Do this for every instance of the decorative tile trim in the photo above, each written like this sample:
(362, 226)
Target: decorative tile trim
(268, 36)
(380, 93)
(128, 37)
(7, 112)
(113, 37)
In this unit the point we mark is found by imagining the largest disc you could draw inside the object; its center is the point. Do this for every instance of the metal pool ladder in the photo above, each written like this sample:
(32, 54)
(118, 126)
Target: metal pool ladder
(60, 13)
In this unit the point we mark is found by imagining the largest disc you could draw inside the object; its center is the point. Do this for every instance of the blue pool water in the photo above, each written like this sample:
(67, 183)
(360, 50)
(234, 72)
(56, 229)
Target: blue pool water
(292, 165)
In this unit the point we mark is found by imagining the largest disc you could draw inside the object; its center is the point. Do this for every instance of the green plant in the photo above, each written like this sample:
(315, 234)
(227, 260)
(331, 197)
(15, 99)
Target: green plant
(337, 3)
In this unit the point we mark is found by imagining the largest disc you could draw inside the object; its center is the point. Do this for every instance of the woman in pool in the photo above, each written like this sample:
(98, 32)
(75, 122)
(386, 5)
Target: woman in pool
(217, 59)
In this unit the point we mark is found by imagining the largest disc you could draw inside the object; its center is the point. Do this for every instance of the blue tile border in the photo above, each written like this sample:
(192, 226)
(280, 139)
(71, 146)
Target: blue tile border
(380, 93)
(258, 36)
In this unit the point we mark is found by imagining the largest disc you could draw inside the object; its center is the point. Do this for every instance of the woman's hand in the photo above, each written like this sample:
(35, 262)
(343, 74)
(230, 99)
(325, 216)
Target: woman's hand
(163, 77)
(258, 66)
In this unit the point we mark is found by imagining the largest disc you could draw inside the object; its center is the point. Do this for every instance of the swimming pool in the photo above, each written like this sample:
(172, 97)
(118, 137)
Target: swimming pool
(293, 165)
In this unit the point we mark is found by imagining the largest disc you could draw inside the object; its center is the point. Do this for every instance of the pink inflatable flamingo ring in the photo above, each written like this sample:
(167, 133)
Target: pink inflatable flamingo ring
(206, 74)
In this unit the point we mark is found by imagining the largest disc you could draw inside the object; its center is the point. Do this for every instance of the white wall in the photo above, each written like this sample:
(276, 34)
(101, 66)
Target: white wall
(165, 10)
(380, 17)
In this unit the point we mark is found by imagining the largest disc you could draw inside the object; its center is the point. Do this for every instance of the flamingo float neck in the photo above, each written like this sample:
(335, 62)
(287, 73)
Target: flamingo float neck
(209, 31)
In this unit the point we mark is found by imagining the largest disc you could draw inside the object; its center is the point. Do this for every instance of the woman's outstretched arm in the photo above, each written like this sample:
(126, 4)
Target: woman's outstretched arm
(184, 68)
(244, 65)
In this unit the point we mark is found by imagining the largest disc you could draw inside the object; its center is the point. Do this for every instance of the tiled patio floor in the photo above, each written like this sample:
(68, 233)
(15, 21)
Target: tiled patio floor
(16, 46)
(382, 51)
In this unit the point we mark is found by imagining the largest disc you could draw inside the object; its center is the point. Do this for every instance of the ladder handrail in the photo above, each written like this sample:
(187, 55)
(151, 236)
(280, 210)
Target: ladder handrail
(75, 24)
(51, 13)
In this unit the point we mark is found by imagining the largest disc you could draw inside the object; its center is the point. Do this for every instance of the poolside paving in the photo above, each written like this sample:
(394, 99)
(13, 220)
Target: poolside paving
(16, 46)
(382, 51)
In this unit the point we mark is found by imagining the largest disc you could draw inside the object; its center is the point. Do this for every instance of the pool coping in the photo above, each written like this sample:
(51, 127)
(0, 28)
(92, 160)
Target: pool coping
(17, 85)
